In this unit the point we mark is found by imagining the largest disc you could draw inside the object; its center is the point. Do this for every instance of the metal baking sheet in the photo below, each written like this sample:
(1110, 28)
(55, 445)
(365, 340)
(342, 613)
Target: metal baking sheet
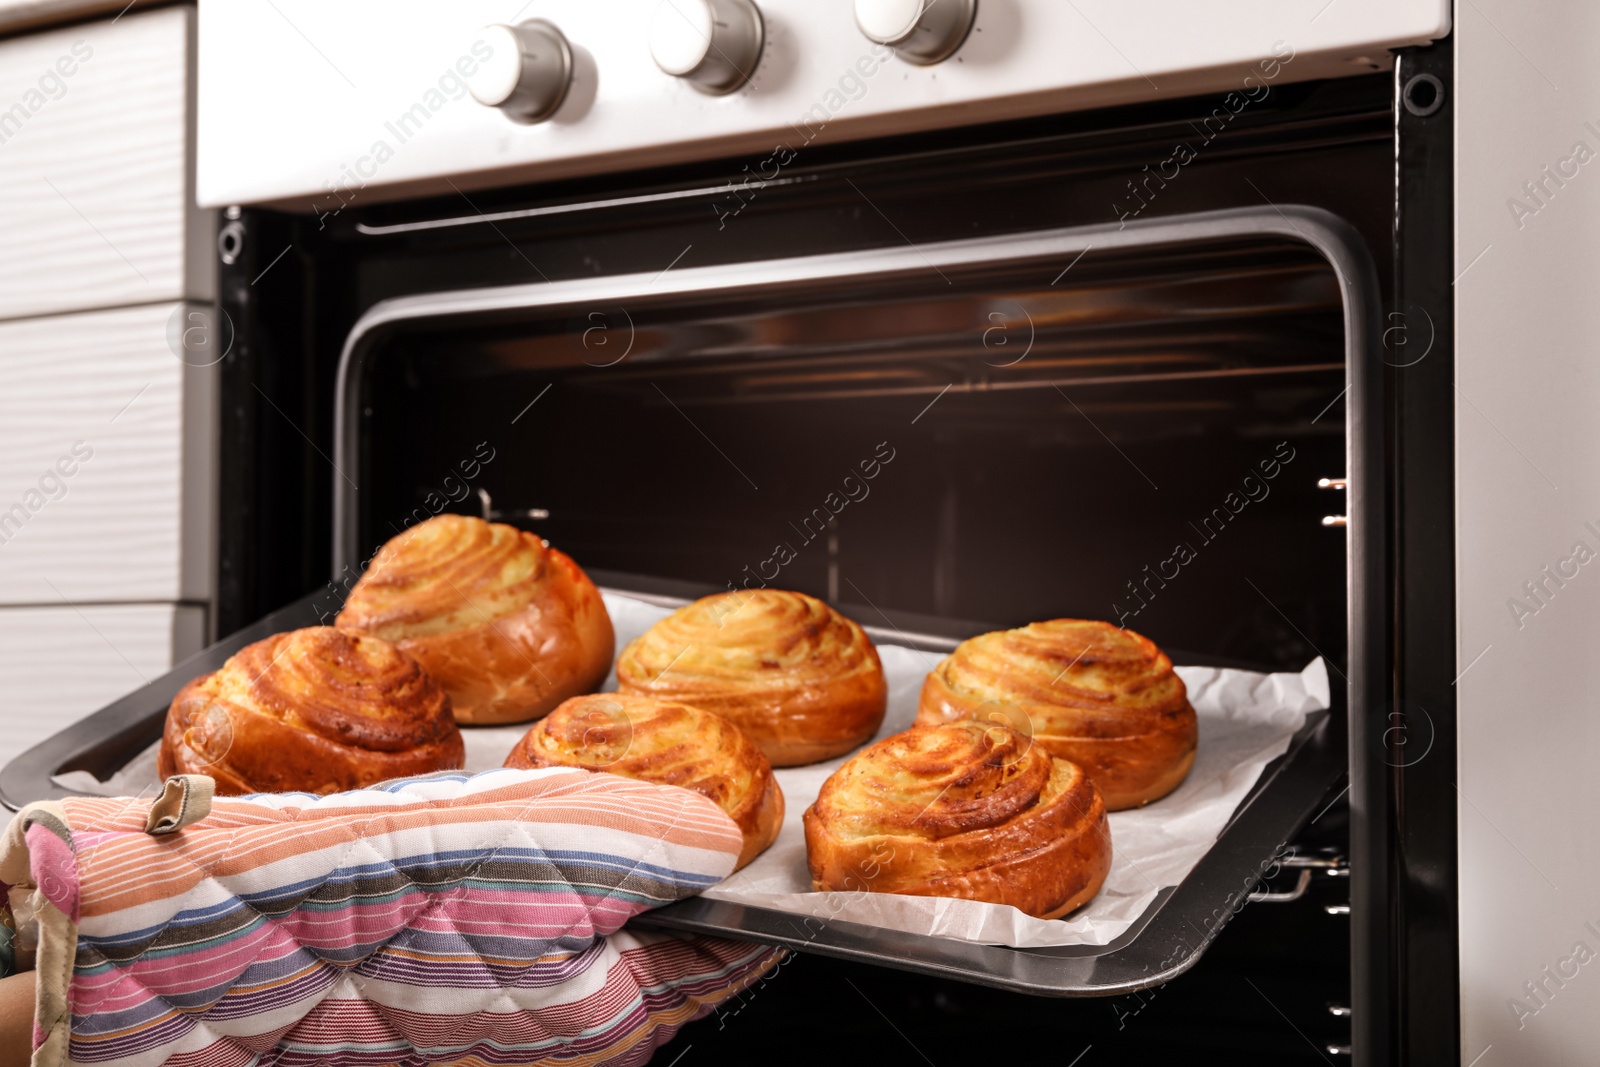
(1167, 939)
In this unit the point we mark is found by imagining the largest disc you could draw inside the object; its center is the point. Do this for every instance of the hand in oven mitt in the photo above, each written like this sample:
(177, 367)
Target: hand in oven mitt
(453, 918)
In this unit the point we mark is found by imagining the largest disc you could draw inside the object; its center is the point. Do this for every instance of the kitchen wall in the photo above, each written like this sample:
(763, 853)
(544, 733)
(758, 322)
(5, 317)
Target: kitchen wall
(1528, 498)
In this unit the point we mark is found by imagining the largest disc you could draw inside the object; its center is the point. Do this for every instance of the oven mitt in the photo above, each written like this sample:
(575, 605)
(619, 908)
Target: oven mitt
(452, 918)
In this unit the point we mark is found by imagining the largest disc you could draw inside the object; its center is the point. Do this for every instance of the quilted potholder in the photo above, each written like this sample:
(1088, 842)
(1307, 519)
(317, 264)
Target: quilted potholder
(449, 919)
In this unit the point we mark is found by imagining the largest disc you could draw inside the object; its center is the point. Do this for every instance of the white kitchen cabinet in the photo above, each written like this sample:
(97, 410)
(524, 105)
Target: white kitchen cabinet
(106, 446)
(62, 663)
(22, 15)
(95, 182)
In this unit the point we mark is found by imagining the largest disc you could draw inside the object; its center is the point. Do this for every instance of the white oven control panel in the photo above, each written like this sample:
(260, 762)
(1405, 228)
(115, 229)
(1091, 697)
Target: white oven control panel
(310, 105)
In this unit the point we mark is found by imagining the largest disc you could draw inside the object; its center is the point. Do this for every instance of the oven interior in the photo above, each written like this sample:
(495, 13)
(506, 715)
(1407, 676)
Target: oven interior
(1136, 438)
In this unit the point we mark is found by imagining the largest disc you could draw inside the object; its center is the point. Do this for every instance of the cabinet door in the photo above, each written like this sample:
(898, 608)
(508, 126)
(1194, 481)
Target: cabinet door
(62, 663)
(19, 15)
(94, 152)
(106, 459)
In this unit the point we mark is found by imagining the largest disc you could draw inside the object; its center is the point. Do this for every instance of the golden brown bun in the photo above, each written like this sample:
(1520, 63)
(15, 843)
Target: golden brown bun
(315, 711)
(509, 626)
(966, 809)
(801, 680)
(1104, 698)
(667, 743)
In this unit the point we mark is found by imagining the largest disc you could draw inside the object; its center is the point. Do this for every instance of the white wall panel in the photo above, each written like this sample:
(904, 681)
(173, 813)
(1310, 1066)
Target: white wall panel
(1528, 482)
(100, 497)
(62, 663)
(94, 186)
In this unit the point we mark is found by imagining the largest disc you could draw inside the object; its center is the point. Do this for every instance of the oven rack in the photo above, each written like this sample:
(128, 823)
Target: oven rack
(1167, 940)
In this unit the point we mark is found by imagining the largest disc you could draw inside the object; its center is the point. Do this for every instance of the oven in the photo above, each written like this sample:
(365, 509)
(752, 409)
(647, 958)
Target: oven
(1069, 330)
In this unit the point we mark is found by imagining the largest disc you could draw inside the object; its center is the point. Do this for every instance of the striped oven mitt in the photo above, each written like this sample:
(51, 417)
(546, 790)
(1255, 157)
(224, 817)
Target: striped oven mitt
(448, 919)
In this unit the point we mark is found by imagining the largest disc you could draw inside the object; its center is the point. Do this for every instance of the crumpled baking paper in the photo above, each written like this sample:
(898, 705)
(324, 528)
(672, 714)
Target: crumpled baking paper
(1246, 721)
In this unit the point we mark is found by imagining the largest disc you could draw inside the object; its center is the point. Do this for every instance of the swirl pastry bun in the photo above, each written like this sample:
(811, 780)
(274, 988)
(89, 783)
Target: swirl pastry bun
(966, 809)
(1104, 698)
(801, 680)
(315, 711)
(509, 626)
(666, 743)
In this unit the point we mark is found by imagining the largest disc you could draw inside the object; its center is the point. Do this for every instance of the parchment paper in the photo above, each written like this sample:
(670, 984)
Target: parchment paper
(1246, 721)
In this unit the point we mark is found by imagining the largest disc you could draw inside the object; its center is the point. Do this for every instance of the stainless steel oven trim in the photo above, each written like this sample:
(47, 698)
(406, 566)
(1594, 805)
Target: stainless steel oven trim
(1046, 972)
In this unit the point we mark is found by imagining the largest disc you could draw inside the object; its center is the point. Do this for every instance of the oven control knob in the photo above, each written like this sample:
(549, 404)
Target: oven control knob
(713, 44)
(528, 70)
(919, 31)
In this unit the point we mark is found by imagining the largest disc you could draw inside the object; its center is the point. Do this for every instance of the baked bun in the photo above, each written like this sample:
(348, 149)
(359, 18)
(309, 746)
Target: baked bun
(801, 680)
(314, 711)
(966, 809)
(1104, 698)
(509, 626)
(666, 743)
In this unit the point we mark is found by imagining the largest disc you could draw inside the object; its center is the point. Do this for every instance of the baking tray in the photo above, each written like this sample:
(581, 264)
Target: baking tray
(1166, 940)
